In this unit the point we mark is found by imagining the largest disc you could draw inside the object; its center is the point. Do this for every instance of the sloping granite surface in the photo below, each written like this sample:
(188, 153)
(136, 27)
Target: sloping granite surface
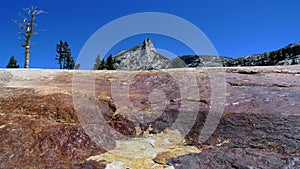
(42, 126)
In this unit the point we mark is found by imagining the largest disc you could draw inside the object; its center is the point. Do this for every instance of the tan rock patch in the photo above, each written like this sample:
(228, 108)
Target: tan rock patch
(152, 151)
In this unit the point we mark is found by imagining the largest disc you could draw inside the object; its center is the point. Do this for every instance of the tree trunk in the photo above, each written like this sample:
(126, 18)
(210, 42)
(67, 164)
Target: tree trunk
(28, 38)
(60, 63)
(27, 53)
(28, 26)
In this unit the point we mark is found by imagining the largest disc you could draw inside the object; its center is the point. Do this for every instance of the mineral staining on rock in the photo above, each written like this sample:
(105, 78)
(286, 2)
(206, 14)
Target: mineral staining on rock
(260, 128)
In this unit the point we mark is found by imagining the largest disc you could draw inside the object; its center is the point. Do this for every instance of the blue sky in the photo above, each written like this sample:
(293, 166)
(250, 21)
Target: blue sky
(235, 27)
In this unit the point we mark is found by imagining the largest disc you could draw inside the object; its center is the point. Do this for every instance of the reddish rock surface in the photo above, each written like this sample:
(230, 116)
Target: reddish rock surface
(41, 126)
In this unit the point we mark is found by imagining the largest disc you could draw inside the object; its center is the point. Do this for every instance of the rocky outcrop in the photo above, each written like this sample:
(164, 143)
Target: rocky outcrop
(40, 127)
(142, 57)
(145, 57)
(206, 61)
(225, 158)
(289, 55)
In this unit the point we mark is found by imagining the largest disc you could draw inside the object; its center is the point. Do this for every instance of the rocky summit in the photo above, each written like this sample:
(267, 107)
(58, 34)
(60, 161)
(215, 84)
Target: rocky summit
(142, 57)
(145, 57)
(138, 119)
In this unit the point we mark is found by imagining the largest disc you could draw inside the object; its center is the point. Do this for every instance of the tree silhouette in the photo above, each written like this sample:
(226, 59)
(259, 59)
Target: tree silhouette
(110, 63)
(28, 28)
(12, 63)
(69, 62)
(64, 56)
(77, 66)
(60, 54)
(102, 65)
(97, 64)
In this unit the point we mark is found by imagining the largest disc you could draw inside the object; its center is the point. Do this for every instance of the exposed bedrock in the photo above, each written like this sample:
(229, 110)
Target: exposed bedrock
(42, 125)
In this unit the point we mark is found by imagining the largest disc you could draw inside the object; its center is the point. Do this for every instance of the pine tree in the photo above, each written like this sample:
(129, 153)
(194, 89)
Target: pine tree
(60, 54)
(110, 63)
(97, 64)
(102, 65)
(64, 56)
(69, 62)
(12, 63)
(77, 66)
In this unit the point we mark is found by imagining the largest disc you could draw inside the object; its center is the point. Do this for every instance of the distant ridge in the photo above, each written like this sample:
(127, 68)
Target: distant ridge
(146, 57)
(289, 55)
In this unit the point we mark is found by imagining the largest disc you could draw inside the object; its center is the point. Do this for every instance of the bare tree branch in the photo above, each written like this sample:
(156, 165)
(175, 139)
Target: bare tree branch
(28, 27)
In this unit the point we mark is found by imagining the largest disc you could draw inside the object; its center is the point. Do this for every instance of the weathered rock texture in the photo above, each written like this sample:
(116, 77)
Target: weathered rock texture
(142, 57)
(145, 57)
(39, 127)
(289, 55)
(207, 61)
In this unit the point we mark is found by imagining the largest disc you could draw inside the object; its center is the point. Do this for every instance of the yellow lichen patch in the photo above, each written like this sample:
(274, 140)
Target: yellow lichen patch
(147, 132)
(224, 142)
(138, 130)
(148, 152)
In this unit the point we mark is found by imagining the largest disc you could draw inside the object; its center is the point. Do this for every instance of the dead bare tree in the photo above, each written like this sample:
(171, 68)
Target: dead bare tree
(28, 28)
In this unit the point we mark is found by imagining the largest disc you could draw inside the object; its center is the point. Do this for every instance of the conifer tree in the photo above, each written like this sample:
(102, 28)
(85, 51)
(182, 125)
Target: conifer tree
(97, 64)
(60, 54)
(77, 66)
(102, 65)
(110, 63)
(64, 56)
(12, 63)
(69, 62)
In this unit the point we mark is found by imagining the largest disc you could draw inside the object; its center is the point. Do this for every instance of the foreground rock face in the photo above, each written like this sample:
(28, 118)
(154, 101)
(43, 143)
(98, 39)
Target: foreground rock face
(41, 126)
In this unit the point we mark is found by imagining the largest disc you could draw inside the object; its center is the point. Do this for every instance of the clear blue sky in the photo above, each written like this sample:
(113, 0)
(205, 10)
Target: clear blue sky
(235, 27)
